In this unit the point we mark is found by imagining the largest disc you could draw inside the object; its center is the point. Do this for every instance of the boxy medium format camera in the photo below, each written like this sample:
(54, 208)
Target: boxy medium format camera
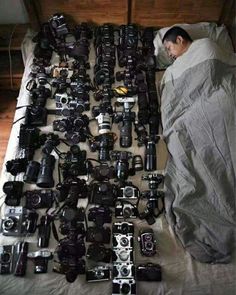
(18, 222)
(147, 242)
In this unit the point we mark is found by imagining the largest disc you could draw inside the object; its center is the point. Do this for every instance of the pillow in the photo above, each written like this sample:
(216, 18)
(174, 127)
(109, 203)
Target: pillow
(196, 31)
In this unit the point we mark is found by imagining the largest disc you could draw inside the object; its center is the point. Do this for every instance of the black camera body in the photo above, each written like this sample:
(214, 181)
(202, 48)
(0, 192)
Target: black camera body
(98, 253)
(98, 235)
(147, 242)
(16, 166)
(72, 221)
(70, 266)
(124, 286)
(124, 228)
(75, 163)
(122, 167)
(14, 192)
(38, 199)
(128, 192)
(36, 116)
(103, 193)
(103, 172)
(18, 222)
(149, 272)
(6, 259)
(58, 25)
(100, 215)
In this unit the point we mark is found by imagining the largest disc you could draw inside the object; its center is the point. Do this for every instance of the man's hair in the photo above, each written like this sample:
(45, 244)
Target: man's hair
(172, 34)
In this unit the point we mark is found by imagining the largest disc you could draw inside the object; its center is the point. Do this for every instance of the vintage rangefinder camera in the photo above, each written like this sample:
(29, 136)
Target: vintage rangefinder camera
(18, 221)
(98, 274)
(149, 272)
(125, 210)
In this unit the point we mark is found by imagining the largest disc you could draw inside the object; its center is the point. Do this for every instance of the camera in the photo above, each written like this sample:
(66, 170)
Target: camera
(124, 228)
(128, 192)
(122, 241)
(123, 270)
(98, 274)
(123, 255)
(104, 144)
(100, 215)
(124, 286)
(122, 165)
(58, 25)
(75, 163)
(45, 176)
(147, 242)
(98, 253)
(38, 199)
(18, 222)
(40, 259)
(98, 235)
(102, 193)
(13, 191)
(71, 190)
(6, 259)
(70, 247)
(16, 166)
(103, 172)
(125, 210)
(70, 266)
(40, 94)
(29, 140)
(71, 221)
(149, 272)
(36, 116)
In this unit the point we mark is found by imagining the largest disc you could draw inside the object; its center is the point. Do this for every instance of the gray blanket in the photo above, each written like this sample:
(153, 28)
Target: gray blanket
(199, 127)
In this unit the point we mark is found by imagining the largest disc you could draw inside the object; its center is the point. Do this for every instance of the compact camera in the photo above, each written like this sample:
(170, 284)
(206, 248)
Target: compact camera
(147, 242)
(98, 274)
(149, 272)
(125, 210)
(38, 199)
(18, 221)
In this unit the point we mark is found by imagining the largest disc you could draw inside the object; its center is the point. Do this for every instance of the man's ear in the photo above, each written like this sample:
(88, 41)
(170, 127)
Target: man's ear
(179, 40)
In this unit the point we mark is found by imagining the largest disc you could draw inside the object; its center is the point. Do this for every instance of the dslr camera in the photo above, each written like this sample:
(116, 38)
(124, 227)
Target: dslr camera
(103, 193)
(100, 215)
(38, 199)
(18, 221)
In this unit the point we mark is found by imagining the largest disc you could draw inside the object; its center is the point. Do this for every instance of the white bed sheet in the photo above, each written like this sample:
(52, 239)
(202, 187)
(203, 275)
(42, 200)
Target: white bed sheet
(181, 273)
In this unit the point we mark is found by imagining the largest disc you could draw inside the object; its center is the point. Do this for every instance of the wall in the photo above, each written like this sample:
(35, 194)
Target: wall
(13, 11)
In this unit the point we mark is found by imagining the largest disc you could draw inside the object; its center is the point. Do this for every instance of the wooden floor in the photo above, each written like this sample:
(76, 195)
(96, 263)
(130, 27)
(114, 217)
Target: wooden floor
(7, 111)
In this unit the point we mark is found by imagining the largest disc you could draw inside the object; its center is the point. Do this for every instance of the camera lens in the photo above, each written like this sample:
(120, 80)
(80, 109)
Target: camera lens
(128, 191)
(5, 257)
(99, 274)
(124, 228)
(35, 200)
(123, 255)
(124, 271)
(125, 289)
(149, 246)
(127, 212)
(9, 223)
(124, 242)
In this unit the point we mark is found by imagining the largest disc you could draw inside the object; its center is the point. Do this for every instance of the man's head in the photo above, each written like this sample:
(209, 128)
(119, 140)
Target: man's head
(176, 41)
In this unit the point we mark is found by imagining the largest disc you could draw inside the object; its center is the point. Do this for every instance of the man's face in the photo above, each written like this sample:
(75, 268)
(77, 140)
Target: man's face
(175, 49)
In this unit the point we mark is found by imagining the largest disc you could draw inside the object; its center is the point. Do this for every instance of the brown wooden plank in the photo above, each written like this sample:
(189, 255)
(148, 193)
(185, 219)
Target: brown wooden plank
(95, 11)
(19, 31)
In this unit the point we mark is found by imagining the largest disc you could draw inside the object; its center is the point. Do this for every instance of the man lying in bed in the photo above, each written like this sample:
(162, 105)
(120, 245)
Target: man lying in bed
(198, 107)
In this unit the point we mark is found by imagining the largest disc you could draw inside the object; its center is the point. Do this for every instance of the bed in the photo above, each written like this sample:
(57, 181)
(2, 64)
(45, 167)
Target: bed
(182, 274)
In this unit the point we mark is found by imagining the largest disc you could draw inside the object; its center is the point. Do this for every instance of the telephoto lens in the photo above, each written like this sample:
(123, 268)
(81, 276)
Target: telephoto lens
(45, 176)
(125, 133)
(32, 172)
(150, 157)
